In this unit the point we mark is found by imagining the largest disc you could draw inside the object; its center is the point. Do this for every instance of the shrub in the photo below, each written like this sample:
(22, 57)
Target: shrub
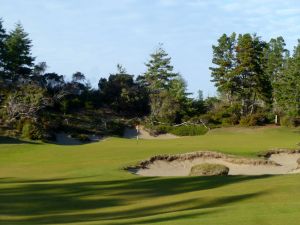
(245, 121)
(229, 121)
(157, 129)
(256, 119)
(190, 130)
(31, 131)
(88, 105)
(26, 130)
(210, 118)
(223, 114)
(270, 117)
(81, 137)
(10, 133)
(184, 130)
(161, 129)
(289, 121)
(208, 169)
(115, 127)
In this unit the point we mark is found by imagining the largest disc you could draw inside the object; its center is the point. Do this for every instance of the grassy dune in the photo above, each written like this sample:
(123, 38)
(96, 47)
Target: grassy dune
(85, 184)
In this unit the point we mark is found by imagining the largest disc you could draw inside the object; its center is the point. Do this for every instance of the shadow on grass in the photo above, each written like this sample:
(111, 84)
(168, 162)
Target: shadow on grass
(63, 138)
(64, 201)
(10, 140)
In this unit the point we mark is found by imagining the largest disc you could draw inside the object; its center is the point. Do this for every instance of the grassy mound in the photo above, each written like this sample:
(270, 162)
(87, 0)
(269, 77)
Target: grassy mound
(209, 169)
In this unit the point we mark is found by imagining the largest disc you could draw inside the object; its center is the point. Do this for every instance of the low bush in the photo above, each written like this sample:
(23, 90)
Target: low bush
(230, 121)
(225, 115)
(189, 130)
(161, 129)
(81, 137)
(289, 121)
(88, 105)
(246, 121)
(115, 127)
(209, 169)
(257, 119)
(31, 131)
(157, 129)
(210, 119)
(183, 130)
(26, 128)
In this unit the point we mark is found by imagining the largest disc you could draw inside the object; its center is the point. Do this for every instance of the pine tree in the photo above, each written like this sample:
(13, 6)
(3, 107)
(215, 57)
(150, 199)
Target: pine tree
(159, 70)
(239, 71)
(276, 56)
(224, 59)
(166, 88)
(288, 85)
(2, 49)
(255, 84)
(18, 61)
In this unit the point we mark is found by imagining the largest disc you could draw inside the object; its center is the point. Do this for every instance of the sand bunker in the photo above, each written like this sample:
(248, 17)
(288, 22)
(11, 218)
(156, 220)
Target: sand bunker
(274, 162)
(143, 134)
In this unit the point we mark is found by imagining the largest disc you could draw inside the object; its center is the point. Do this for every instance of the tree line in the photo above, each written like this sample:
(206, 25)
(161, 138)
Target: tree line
(254, 76)
(255, 81)
(33, 100)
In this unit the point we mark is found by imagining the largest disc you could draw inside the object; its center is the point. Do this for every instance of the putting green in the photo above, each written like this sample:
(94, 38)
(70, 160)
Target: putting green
(85, 184)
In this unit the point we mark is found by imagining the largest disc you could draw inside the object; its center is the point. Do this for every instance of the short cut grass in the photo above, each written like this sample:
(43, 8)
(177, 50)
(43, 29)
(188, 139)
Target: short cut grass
(86, 185)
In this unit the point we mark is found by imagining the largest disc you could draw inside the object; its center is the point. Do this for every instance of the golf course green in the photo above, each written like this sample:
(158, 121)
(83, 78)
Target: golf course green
(43, 183)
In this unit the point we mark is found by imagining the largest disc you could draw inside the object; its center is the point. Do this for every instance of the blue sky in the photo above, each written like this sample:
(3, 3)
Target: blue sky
(92, 36)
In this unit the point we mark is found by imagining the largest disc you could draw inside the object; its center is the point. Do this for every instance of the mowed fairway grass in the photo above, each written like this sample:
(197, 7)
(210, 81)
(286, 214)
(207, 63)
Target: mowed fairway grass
(85, 184)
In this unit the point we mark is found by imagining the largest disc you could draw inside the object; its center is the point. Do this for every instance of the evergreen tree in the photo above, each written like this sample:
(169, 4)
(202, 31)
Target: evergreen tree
(239, 72)
(166, 88)
(78, 77)
(178, 88)
(2, 49)
(255, 84)
(18, 61)
(276, 56)
(159, 70)
(288, 85)
(3, 85)
(223, 73)
(123, 94)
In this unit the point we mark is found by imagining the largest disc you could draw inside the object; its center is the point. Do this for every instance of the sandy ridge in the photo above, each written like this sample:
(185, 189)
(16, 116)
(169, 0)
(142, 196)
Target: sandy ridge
(277, 161)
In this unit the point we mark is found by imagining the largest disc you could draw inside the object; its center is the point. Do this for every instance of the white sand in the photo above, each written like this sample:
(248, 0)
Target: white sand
(288, 164)
(143, 134)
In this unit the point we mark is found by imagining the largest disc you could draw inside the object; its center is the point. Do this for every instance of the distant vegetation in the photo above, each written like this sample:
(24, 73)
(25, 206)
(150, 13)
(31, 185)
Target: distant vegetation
(255, 80)
(182, 130)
